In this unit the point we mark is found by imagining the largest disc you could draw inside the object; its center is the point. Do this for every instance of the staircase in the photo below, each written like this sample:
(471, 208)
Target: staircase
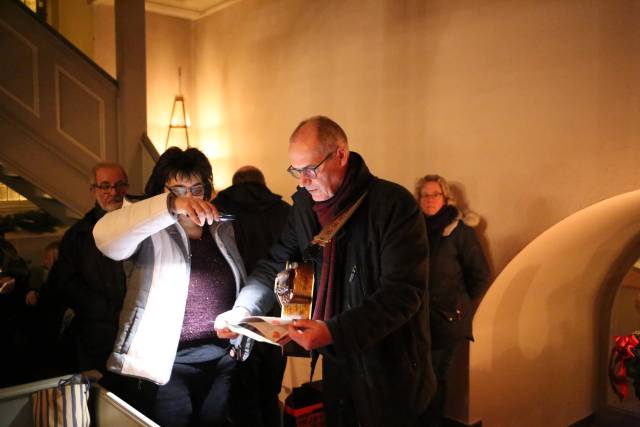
(37, 197)
(58, 114)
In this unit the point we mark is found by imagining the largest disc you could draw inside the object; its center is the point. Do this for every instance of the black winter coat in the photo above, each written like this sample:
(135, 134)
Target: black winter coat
(458, 277)
(380, 335)
(260, 218)
(93, 286)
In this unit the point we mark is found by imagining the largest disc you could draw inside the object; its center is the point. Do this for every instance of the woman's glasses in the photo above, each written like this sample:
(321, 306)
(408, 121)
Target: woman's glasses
(431, 196)
(181, 191)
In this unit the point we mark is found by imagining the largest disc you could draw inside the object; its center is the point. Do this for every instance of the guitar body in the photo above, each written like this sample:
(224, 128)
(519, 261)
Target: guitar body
(294, 289)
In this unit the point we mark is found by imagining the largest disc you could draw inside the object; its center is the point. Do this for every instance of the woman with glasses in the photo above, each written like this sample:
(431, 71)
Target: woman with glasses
(183, 269)
(458, 277)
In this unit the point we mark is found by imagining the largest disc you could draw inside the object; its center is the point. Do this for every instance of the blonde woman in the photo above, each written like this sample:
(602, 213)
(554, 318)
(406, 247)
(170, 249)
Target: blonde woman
(458, 276)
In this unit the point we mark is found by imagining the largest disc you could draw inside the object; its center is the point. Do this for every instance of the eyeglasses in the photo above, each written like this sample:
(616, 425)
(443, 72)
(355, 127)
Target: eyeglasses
(106, 187)
(431, 196)
(310, 172)
(181, 191)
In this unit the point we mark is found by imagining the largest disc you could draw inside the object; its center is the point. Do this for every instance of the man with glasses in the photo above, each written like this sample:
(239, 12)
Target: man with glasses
(370, 317)
(87, 282)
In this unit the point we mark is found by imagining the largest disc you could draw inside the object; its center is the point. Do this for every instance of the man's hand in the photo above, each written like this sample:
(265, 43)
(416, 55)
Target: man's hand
(231, 316)
(310, 334)
(7, 283)
(32, 298)
(197, 210)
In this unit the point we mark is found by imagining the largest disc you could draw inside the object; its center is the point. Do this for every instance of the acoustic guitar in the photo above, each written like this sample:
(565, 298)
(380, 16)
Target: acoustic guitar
(294, 288)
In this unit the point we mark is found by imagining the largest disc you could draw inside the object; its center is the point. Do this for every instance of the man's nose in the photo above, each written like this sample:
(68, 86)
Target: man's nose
(304, 180)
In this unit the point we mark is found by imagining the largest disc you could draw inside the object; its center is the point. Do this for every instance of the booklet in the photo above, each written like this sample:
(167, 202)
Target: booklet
(272, 330)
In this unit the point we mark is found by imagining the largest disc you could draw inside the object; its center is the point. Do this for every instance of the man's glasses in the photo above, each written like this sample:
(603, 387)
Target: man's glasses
(106, 187)
(310, 172)
(181, 191)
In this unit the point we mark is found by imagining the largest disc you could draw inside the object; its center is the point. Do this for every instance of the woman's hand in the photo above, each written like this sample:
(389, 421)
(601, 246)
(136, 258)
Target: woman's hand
(232, 316)
(197, 210)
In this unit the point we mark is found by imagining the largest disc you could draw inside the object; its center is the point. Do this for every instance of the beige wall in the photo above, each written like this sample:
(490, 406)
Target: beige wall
(526, 105)
(74, 20)
(168, 45)
(168, 48)
(104, 37)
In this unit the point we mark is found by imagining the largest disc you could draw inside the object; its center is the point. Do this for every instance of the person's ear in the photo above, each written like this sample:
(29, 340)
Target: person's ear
(342, 154)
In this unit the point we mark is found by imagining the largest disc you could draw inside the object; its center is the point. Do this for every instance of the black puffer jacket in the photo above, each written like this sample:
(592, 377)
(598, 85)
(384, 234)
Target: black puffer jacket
(93, 286)
(260, 218)
(381, 334)
(458, 277)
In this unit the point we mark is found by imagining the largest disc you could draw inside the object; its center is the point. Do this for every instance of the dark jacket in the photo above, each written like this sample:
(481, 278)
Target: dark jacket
(381, 334)
(458, 277)
(13, 266)
(93, 286)
(260, 217)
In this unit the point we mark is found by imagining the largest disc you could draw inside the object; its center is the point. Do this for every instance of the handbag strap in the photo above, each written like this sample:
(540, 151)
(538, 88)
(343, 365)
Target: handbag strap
(78, 379)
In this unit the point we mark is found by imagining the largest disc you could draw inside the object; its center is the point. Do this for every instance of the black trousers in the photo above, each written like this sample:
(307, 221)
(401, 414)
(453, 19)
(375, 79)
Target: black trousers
(197, 394)
(341, 400)
(256, 386)
(441, 359)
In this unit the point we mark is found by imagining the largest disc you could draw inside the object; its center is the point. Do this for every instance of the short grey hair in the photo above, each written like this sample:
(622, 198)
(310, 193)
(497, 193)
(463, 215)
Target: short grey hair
(330, 134)
(107, 165)
(444, 185)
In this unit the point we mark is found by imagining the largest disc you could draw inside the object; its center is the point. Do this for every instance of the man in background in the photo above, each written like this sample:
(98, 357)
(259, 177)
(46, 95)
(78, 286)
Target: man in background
(13, 284)
(260, 214)
(260, 217)
(87, 282)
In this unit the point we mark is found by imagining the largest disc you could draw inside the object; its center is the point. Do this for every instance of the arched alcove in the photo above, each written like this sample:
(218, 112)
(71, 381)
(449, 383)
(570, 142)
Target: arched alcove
(542, 329)
(625, 319)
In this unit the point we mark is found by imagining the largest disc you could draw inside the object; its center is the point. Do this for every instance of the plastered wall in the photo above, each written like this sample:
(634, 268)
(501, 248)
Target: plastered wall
(530, 107)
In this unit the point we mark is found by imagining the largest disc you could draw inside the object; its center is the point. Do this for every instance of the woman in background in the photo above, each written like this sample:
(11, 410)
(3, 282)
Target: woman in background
(458, 277)
(183, 269)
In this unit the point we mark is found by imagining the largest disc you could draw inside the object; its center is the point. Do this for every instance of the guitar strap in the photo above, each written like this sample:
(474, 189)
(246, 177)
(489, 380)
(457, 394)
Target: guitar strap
(323, 238)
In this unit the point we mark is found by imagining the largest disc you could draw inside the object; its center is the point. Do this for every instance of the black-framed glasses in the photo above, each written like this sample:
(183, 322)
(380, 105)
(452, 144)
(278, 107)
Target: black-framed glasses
(431, 195)
(196, 190)
(310, 172)
(105, 187)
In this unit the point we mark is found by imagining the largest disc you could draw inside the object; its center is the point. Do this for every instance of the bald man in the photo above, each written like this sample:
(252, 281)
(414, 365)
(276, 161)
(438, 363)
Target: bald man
(370, 314)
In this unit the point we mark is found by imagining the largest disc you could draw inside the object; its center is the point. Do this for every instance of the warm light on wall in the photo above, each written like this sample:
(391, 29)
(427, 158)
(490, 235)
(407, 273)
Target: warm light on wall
(179, 120)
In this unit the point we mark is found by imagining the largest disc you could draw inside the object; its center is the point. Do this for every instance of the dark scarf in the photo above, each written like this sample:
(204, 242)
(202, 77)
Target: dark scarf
(327, 297)
(436, 224)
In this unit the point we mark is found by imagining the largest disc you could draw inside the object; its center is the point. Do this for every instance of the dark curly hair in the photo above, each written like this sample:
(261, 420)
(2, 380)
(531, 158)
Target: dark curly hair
(178, 163)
